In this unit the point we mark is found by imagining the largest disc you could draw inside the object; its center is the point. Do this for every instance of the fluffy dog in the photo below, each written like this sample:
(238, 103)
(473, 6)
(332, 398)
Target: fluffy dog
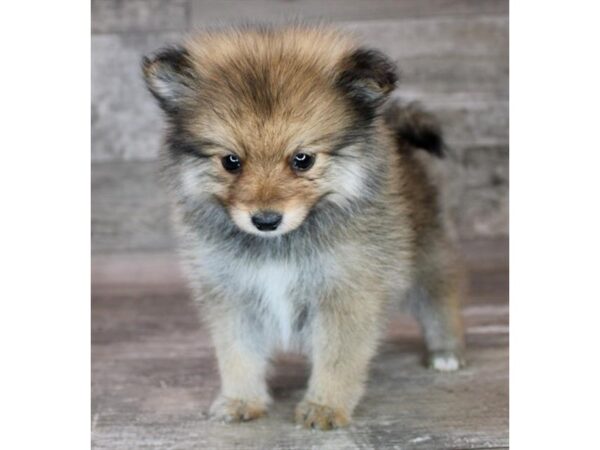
(302, 209)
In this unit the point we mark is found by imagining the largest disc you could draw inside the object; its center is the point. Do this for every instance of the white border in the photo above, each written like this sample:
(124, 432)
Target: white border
(44, 193)
(45, 223)
(555, 305)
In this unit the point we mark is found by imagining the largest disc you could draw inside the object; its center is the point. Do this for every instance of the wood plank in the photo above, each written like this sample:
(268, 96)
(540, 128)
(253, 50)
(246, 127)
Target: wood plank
(126, 123)
(129, 208)
(154, 376)
(486, 254)
(111, 16)
(457, 36)
(209, 12)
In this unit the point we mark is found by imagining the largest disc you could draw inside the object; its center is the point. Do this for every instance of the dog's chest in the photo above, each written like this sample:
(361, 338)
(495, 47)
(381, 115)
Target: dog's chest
(275, 288)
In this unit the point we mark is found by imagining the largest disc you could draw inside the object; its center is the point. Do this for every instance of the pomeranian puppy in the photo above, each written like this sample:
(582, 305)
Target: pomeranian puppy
(302, 209)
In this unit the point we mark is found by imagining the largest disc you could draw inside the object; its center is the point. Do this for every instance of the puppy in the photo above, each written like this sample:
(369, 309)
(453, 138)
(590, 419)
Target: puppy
(302, 209)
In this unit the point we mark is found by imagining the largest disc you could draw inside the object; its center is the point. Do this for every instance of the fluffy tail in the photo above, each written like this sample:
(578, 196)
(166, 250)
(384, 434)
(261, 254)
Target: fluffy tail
(414, 127)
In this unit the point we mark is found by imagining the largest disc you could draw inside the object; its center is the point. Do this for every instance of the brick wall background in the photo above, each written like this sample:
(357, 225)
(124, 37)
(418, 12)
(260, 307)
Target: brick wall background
(453, 56)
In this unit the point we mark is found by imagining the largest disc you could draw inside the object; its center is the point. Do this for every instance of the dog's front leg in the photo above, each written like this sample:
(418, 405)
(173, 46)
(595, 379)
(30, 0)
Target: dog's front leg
(242, 365)
(344, 340)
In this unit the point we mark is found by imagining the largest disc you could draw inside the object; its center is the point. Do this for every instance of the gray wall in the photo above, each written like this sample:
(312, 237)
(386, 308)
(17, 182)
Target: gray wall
(453, 56)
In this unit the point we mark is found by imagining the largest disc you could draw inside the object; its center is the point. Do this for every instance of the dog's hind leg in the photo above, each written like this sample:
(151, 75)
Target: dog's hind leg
(435, 302)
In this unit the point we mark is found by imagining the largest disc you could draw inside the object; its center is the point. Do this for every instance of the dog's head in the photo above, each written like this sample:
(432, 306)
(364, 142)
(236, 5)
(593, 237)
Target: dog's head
(268, 122)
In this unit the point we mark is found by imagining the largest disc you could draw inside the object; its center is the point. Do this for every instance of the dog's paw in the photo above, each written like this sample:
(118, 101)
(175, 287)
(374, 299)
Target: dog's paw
(236, 410)
(446, 361)
(312, 415)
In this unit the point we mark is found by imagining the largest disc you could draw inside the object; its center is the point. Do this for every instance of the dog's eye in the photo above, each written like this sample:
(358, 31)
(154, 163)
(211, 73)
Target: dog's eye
(231, 163)
(303, 161)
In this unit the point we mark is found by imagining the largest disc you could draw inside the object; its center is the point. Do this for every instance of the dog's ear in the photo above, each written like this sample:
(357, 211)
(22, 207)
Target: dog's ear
(367, 77)
(171, 78)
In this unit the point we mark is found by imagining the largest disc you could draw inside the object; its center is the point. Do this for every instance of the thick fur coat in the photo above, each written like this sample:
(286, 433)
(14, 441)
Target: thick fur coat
(302, 209)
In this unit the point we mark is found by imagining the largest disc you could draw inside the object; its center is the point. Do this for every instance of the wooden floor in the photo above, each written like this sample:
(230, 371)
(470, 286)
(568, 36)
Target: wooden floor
(154, 372)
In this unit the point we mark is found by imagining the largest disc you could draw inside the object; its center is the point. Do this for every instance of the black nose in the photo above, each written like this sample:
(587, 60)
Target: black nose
(266, 220)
